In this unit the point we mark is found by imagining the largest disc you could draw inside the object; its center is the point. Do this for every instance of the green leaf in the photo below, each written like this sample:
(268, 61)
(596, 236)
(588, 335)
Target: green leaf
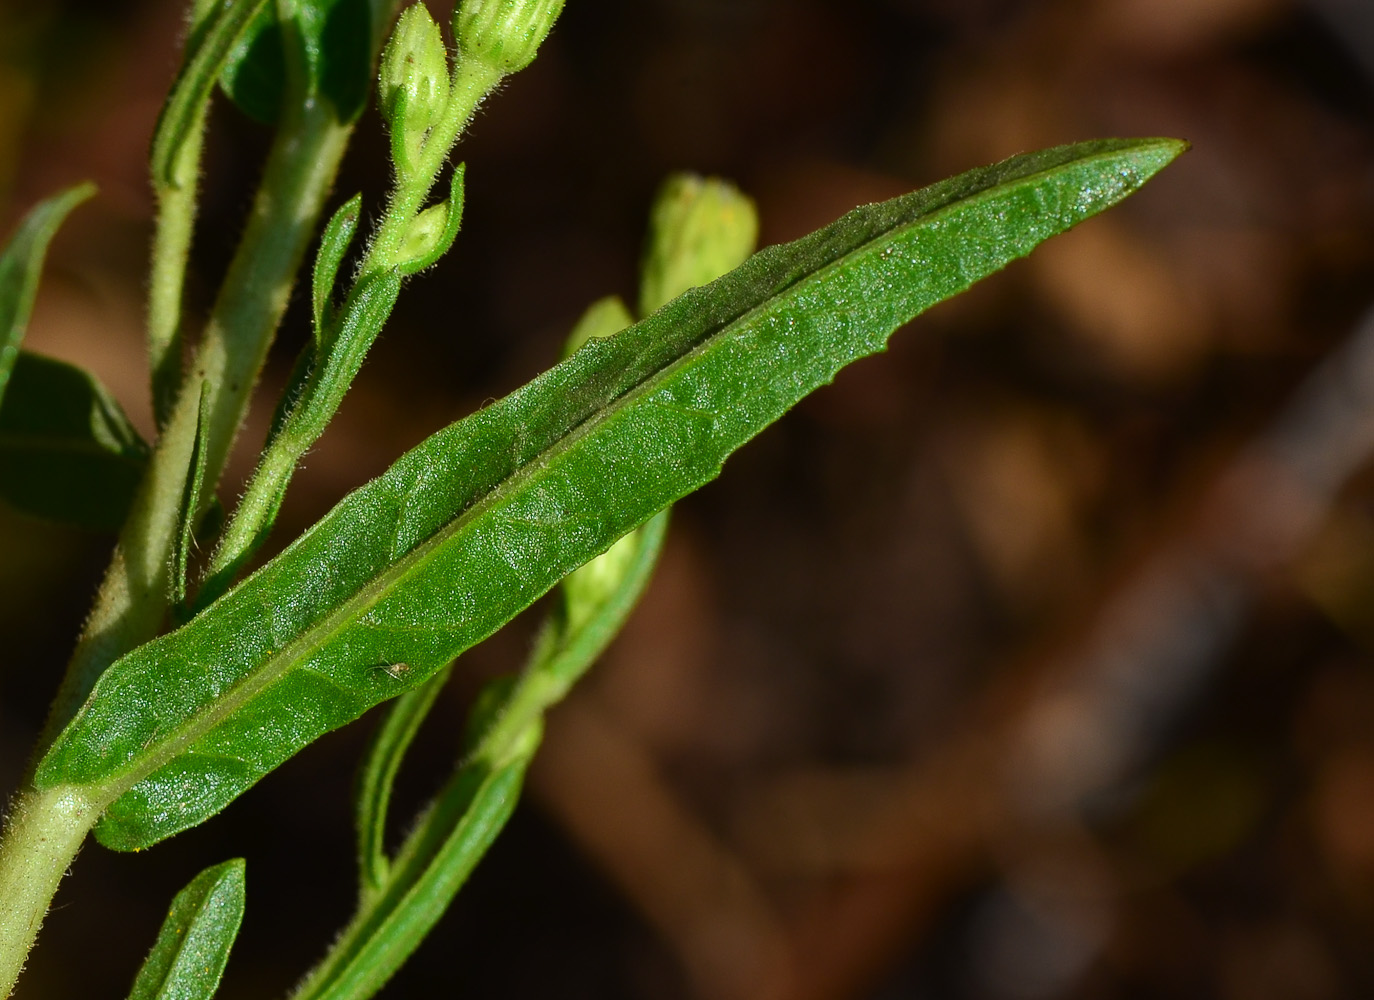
(436, 860)
(207, 53)
(433, 231)
(488, 514)
(21, 263)
(333, 245)
(380, 764)
(340, 39)
(254, 75)
(192, 948)
(190, 501)
(67, 451)
(594, 601)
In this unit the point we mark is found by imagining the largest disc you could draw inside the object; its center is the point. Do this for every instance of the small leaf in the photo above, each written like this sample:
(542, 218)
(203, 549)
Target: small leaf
(190, 501)
(333, 246)
(484, 517)
(192, 948)
(380, 764)
(340, 38)
(436, 859)
(21, 263)
(207, 53)
(67, 451)
(433, 231)
(341, 46)
(364, 315)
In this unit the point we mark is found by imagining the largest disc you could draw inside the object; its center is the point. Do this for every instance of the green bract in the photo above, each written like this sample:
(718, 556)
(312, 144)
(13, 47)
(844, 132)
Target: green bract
(488, 514)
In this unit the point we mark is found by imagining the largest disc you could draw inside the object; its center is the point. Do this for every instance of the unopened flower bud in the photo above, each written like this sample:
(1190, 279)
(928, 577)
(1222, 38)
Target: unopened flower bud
(504, 34)
(699, 228)
(414, 85)
(587, 589)
(603, 318)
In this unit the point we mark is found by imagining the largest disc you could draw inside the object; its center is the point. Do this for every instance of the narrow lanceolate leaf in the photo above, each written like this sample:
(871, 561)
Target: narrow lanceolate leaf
(437, 858)
(485, 516)
(190, 501)
(67, 451)
(207, 54)
(192, 948)
(383, 759)
(333, 246)
(402, 900)
(701, 229)
(21, 263)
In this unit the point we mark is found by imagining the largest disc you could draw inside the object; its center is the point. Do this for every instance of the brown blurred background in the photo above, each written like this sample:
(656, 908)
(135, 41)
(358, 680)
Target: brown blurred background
(1029, 660)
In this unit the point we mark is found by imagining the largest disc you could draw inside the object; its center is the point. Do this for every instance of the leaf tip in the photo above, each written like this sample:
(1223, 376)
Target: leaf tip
(1152, 155)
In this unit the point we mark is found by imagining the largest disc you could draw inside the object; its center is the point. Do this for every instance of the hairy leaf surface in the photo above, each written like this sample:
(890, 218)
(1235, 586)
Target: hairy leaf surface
(192, 948)
(485, 516)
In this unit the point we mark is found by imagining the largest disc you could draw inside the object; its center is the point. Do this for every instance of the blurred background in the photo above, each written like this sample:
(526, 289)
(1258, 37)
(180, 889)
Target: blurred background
(1028, 660)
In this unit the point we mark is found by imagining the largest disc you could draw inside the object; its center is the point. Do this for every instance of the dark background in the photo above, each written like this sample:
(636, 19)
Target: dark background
(1028, 660)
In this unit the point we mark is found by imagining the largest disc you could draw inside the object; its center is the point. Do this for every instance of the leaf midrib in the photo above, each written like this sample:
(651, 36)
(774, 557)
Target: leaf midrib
(320, 634)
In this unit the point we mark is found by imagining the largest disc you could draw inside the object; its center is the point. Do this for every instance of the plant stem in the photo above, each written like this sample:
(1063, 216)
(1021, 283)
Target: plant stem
(473, 81)
(42, 835)
(134, 595)
(176, 218)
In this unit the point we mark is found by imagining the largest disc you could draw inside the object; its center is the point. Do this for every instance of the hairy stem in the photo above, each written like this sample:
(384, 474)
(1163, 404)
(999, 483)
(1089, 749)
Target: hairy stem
(134, 595)
(473, 82)
(171, 245)
(176, 220)
(42, 834)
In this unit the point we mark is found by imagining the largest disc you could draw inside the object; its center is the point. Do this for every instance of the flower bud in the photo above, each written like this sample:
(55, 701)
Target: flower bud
(504, 34)
(603, 318)
(414, 85)
(423, 234)
(587, 589)
(699, 228)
